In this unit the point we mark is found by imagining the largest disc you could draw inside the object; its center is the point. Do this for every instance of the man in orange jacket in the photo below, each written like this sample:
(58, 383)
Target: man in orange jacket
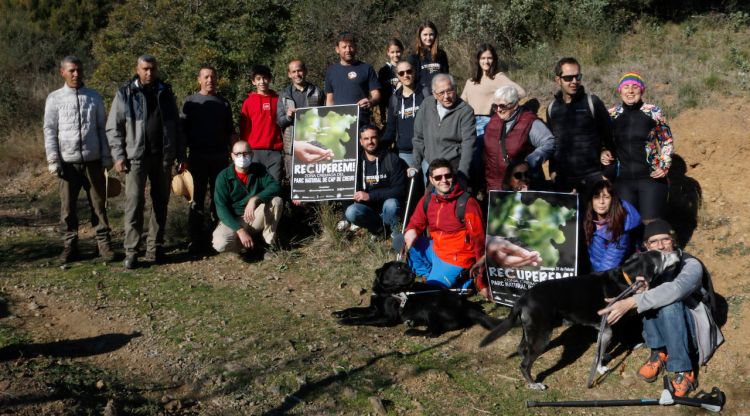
(454, 220)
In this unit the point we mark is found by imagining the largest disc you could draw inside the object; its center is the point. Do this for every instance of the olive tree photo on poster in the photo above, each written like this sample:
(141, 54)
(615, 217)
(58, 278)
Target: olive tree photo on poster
(542, 222)
(325, 153)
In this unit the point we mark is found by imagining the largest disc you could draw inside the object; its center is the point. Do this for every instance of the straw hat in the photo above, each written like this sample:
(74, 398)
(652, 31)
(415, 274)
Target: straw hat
(114, 187)
(182, 185)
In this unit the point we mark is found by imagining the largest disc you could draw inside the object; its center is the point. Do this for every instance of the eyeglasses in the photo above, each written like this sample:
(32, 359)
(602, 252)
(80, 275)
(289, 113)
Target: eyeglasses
(503, 107)
(407, 72)
(443, 93)
(570, 78)
(242, 154)
(663, 241)
(521, 175)
(447, 177)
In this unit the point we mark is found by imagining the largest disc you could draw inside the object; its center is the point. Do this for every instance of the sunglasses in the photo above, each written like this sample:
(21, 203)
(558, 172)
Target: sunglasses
(447, 177)
(242, 154)
(570, 78)
(503, 107)
(407, 72)
(521, 175)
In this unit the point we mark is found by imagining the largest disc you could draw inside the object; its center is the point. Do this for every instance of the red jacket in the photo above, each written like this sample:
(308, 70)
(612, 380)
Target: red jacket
(258, 122)
(455, 243)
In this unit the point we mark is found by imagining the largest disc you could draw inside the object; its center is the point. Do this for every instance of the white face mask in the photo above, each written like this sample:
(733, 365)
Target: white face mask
(243, 162)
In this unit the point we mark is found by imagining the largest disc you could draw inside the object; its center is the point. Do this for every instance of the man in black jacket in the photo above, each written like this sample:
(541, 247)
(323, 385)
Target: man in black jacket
(582, 129)
(381, 182)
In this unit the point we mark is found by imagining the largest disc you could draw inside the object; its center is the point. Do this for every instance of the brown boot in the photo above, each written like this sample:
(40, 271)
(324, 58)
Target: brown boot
(69, 253)
(105, 251)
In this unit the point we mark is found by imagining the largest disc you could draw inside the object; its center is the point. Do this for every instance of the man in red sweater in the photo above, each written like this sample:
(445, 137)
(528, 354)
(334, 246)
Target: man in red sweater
(258, 122)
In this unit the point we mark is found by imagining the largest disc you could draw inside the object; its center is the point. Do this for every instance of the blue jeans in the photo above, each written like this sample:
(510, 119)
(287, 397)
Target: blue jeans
(669, 327)
(408, 158)
(367, 216)
(424, 262)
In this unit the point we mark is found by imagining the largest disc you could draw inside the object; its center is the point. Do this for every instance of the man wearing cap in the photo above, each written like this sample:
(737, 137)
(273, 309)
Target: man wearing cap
(144, 134)
(77, 152)
(582, 129)
(247, 203)
(677, 309)
(207, 123)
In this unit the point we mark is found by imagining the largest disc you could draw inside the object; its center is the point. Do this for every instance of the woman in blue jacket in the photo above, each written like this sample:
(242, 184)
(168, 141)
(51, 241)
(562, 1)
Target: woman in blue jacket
(609, 227)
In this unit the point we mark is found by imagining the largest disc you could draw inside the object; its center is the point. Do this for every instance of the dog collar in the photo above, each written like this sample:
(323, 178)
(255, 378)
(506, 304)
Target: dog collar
(627, 278)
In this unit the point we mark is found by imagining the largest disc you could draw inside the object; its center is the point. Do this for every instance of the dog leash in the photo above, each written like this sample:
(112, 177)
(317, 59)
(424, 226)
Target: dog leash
(404, 296)
(603, 323)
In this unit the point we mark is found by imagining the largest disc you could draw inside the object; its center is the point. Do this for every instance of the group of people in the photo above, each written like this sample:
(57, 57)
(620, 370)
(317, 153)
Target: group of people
(486, 139)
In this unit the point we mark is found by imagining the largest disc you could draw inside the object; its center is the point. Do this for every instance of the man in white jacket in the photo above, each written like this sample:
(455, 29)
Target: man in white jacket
(78, 152)
(676, 308)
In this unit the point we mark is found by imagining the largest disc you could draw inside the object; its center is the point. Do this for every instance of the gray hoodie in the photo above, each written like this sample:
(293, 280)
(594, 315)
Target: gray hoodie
(452, 138)
(74, 128)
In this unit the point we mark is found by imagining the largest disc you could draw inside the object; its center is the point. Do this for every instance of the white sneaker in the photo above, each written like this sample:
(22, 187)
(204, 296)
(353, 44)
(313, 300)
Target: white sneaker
(353, 228)
(342, 226)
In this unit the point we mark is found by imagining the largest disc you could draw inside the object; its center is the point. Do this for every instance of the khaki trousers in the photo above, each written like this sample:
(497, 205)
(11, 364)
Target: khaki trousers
(266, 220)
(90, 177)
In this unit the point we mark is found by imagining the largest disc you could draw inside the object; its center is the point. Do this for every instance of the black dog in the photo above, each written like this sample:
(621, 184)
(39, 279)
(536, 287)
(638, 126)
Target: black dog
(576, 300)
(396, 299)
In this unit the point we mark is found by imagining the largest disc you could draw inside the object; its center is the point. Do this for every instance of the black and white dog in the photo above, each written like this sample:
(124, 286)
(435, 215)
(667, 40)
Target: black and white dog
(575, 300)
(397, 298)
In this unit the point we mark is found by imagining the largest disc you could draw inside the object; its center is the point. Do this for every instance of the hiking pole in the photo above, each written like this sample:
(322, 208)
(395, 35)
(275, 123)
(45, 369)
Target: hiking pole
(398, 240)
(713, 401)
(602, 324)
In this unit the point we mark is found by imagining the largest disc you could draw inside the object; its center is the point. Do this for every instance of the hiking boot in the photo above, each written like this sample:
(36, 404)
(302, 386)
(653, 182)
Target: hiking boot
(651, 369)
(69, 253)
(105, 252)
(342, 226)
(130, 262)
(155, 255)
(683, 383)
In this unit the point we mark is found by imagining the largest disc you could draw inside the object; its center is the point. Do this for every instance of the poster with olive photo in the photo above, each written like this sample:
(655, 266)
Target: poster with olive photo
(325, 150)
(538, 225)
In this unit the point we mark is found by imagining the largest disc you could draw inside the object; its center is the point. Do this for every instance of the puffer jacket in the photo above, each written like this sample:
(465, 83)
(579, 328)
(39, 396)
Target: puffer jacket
(126, 125)
(74, 128)
(460, 244)
(606, 254)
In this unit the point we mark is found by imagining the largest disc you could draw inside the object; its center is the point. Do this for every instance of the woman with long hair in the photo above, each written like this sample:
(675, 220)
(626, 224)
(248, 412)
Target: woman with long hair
(428, 59)
(609, 226)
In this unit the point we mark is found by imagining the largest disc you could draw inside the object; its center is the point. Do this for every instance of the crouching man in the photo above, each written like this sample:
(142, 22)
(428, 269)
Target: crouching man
(247, 203)
(677, 311)
(381, 182)
(456, 238)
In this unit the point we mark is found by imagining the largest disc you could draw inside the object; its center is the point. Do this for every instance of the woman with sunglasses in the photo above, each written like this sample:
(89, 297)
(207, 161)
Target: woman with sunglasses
(642, 151)
(518, 178)
(428, 59)
(402, 109)
(514, 134)
(609, 225)
(389, 82)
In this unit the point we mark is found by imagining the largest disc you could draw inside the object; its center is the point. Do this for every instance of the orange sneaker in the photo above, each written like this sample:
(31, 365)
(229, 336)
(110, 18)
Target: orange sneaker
(651, 369)
(683, 383)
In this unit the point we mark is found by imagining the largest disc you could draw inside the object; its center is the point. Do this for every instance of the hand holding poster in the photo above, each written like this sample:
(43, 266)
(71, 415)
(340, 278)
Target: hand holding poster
(325, 153)
(531, 237)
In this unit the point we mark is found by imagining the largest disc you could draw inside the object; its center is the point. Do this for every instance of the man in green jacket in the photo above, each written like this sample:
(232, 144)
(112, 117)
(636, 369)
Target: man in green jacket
(247, 203)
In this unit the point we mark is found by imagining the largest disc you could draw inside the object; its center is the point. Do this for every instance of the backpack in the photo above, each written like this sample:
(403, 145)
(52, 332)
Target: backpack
(460, 206)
